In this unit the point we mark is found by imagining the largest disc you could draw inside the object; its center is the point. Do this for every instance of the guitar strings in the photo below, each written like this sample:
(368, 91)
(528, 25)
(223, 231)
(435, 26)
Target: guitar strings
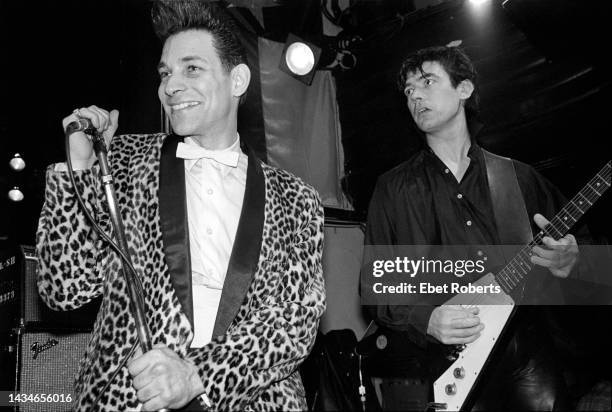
(512, 274)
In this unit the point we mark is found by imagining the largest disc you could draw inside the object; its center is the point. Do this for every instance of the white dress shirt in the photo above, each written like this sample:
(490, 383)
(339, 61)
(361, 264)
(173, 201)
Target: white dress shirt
(214, 194)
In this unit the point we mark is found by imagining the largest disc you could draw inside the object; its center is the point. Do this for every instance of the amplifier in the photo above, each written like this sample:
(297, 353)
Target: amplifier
(40, 348)
(9, 285)
(33, 311)
(45, 363)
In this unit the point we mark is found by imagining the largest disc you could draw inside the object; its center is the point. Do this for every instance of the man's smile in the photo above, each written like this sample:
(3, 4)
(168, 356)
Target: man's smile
(183, 106)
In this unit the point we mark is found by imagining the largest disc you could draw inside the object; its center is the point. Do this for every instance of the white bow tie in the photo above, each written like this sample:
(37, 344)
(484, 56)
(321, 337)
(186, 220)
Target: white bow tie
(191, 152)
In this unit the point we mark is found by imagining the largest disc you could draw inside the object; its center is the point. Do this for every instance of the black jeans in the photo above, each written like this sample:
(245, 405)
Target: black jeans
(528, 376)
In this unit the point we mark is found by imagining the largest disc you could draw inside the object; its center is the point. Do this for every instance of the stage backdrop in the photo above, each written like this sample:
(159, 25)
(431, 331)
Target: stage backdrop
(341, 265)
(302, 131)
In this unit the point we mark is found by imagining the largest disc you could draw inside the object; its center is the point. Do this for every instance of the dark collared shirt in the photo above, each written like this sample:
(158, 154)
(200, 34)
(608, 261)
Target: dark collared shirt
(420, 202)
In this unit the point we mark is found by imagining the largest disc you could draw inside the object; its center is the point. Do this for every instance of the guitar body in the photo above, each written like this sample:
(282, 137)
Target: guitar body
(459, 377)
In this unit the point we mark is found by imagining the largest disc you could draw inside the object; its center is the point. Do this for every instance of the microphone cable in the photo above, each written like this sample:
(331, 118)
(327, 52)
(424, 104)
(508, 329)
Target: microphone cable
(112, 244)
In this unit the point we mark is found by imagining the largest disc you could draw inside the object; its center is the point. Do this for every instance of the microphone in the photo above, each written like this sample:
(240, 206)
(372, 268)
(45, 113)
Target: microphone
(81, 125)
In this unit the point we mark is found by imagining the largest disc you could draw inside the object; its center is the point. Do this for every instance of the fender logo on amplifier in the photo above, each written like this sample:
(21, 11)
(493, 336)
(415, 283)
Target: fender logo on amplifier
(37, 348)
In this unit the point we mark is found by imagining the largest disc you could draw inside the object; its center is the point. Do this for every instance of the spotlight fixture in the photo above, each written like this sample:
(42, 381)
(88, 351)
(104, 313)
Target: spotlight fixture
(15, 194)
(17, 163)
(299, 58)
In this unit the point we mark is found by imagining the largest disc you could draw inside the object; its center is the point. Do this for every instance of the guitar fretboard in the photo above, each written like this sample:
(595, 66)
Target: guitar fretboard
(515, 271)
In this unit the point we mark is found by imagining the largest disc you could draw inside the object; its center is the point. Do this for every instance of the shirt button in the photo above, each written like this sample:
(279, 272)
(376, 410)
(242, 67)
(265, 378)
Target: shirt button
(209, 191)
(446, 170)
(469, 223)
(208, 231)
(479, 253)
(459, 196)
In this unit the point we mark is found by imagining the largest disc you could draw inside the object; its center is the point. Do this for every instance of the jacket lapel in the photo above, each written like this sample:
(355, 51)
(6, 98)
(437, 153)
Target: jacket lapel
(174, 227)
(247, 245)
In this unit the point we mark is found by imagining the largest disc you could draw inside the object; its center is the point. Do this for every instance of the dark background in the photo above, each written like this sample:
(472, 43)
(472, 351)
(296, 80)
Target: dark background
(58, 56)
(545, 83)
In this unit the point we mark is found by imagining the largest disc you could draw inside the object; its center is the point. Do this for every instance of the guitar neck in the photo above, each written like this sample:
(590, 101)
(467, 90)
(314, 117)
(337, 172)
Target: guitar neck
(511, 276)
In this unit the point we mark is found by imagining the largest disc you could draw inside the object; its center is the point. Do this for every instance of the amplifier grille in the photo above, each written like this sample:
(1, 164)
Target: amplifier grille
(48, 365)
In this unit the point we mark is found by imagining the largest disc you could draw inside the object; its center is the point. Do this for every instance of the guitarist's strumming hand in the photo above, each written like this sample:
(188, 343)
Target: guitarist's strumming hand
(454, 325)
(559, 256)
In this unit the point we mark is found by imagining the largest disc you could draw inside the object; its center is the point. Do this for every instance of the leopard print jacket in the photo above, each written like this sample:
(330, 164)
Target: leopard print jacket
(253, 366)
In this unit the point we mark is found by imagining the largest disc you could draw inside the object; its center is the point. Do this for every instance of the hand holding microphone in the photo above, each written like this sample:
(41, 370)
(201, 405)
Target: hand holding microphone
(81, 147)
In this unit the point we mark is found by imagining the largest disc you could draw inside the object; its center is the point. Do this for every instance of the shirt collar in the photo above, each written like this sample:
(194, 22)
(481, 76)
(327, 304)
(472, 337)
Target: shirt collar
(474, 128)
(190, 163)
(474, 153)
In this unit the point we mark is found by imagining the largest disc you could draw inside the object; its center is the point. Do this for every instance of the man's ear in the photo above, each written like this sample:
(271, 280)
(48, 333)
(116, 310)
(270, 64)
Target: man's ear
(241, 76)
(465, 89)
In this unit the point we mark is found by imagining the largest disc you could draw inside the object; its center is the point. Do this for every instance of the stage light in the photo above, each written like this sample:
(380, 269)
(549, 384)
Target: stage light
(299, 58)
(478, 2)
(15, 194)
(17, 163)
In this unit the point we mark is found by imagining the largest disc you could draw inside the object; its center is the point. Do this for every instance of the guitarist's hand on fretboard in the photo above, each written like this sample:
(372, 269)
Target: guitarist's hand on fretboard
(454, 325)
(559, 256)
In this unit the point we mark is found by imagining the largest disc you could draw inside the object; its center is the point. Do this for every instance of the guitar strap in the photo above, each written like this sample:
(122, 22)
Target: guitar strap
(509, 208)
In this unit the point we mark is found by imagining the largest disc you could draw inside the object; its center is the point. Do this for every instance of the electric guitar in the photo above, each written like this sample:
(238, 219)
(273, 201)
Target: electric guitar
(463, 367)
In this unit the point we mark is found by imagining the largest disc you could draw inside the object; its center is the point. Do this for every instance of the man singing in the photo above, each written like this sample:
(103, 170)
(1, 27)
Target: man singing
(228, 249)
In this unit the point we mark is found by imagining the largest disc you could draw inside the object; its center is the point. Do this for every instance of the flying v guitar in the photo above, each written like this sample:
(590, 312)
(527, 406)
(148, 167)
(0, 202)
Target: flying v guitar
(461, 372)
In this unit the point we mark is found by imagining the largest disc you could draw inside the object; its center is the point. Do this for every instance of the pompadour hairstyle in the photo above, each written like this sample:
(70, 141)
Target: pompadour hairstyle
(456, 63)
(170, 17)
